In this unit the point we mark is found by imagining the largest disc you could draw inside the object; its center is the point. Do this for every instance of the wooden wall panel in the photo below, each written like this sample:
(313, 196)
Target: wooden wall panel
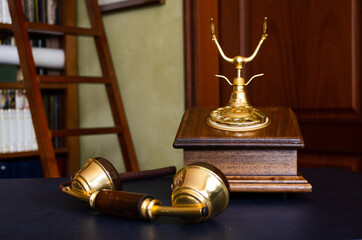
(201, 63)
(307, 58)
(312, 63)
(231, 20)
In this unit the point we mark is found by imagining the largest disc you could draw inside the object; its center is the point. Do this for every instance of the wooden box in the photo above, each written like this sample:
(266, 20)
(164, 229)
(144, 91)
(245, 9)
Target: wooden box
(263, 160)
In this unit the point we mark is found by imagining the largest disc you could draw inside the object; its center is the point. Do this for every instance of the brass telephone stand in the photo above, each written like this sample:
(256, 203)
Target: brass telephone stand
(238, 115)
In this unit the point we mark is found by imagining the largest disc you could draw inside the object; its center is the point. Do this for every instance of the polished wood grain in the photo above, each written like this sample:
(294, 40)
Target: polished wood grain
(337, 160)
(247, 162)
(263, 160)
(230, 42)
(34, 27)
(5, 26)
(269, 184)
(68, 29)
(125, 4)
(72, 79)
(283, 132)
(71, 117)
(61, 86)
(201, 87)
(123, 204)
(63, 150)
(86, 131)
(311, 62)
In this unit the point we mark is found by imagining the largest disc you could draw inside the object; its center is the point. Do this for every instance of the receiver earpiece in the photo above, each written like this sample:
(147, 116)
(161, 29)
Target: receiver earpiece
(200, 184)
(199, 192)
(99, 174)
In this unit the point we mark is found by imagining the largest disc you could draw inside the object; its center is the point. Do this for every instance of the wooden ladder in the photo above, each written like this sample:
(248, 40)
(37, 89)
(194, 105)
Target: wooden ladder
(32, 85)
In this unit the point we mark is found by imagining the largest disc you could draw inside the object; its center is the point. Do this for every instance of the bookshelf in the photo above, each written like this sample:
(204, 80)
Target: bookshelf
(69, 149)
(66, 83)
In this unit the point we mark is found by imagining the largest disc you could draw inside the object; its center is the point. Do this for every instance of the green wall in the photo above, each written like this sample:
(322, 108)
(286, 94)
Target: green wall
(147, 52)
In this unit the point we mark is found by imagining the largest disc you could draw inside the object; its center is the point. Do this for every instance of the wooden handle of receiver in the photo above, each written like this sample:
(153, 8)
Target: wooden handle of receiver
(123, 204)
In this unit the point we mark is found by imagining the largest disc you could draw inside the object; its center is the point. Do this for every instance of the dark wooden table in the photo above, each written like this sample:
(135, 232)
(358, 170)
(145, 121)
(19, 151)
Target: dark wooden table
(37, 209)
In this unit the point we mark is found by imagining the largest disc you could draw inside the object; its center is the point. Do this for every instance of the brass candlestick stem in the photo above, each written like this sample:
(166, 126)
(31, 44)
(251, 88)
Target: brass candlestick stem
(238, 115)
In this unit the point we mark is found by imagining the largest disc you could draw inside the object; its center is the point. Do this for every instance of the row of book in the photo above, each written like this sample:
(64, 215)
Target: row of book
(27, 168)
(41, 11)
(16, 126)
(21, 168)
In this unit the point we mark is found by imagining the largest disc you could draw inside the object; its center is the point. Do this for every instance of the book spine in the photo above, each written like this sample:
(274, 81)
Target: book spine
(7, 15)
(52, 6)
(40, 11)
(57, 115)
(20, 103)
(27, 127)
(29, 133)
(52, 106)
(31, 10)
(12, 121)
(1, 11)
(1, 121)
(33, 141)
(44, 10)
(4, 121)
(4, 12)
(25, 9)
(36, 10)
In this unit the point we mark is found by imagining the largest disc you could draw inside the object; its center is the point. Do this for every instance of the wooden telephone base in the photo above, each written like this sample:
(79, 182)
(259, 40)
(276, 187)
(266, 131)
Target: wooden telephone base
(263, 160)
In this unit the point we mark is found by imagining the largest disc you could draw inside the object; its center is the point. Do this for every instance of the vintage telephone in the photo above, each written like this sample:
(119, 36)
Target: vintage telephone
(199, 192)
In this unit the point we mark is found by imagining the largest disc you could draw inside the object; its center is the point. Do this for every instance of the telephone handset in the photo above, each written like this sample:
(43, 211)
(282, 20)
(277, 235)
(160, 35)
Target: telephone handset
(110, 179)
(199, 192)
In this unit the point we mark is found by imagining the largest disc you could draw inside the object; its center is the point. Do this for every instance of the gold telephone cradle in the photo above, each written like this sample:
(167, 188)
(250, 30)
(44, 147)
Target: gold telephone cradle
(238, 115)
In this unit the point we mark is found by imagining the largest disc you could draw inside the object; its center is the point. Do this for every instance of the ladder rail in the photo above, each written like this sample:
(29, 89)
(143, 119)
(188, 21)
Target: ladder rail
(27, 65)
(86, 131)
(72, 79)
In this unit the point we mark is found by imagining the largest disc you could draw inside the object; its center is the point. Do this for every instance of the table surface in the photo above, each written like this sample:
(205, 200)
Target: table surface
(37, 209)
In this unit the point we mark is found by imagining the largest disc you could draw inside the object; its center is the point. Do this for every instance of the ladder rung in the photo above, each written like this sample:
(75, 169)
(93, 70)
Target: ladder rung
(55, 29)
(42, 86)
(86, 131)
(60, 29)
(72, 79)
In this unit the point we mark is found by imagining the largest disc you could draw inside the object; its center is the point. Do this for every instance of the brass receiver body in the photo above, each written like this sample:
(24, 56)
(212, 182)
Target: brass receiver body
(199, 192)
